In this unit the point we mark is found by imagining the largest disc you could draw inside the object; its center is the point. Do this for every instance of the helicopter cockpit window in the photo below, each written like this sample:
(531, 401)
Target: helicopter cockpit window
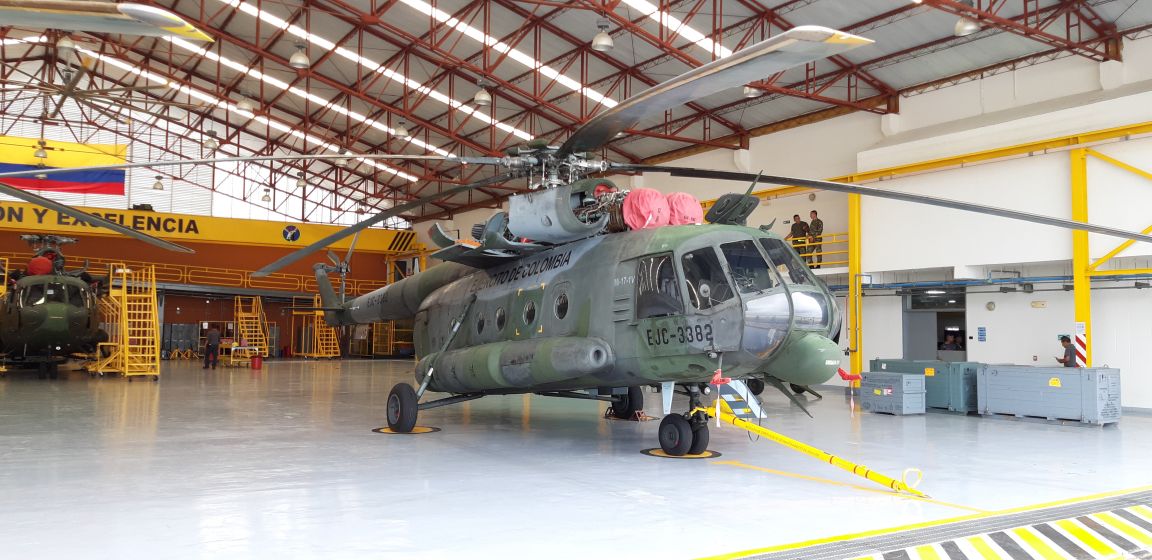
(56, 293)
(34, 294)
(791, 268)
(75, 296)
(749, 271)
(656, 292)
(706, 283)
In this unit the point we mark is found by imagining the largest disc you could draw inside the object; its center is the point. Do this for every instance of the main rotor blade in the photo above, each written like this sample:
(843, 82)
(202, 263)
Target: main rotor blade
(797, 46)
(482, 160)
(89, 218)
(893, 195)
(357, 228)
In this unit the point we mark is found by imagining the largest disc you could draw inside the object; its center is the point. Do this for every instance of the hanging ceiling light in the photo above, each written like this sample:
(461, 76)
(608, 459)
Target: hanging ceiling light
(65, 46)
(267, 197)
(602, 42)
(159, 184)
(40, 151)
(342, 162)
(244, 103)
(211, 143)
(401, 130)
(750, 92)
(482, 97)
(300, 182)
(299, 58)
(964, 25)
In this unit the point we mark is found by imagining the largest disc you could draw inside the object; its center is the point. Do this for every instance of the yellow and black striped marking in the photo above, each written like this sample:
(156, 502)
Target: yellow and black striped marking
(1110, 526)
(401, 241)
(660, 453)
(416, 430)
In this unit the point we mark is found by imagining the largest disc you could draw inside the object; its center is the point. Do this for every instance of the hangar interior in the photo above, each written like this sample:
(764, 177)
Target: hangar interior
(966, 148)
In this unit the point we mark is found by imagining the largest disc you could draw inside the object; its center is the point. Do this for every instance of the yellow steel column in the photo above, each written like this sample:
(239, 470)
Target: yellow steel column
(1081, 283)
(855, 289)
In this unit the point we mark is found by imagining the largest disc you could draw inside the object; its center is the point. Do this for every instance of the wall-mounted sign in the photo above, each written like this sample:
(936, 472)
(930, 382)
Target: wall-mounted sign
(982, 334)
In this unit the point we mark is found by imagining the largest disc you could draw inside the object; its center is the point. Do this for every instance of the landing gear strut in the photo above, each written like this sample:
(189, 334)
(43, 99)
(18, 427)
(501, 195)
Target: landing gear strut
(686, 433)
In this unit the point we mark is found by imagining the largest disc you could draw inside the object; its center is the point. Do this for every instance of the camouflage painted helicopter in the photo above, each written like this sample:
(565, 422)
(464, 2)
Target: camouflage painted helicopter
(49, 313)
(581, 312)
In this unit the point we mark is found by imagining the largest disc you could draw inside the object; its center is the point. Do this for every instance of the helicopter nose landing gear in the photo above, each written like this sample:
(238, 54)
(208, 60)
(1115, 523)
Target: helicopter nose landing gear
(402, 408)
(687, 433)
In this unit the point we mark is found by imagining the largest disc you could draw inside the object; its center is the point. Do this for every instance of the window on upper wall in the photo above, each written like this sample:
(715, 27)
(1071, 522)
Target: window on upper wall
(657, 294)
(707, 285)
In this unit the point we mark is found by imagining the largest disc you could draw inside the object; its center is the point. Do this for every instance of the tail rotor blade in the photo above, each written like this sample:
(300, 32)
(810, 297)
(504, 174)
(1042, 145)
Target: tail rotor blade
(351, 247)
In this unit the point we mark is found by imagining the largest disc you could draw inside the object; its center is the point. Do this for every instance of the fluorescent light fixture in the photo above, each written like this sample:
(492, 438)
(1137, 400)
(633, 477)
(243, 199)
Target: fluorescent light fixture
(952, 329)
(935, 292)
(952, 301)
(417, 87)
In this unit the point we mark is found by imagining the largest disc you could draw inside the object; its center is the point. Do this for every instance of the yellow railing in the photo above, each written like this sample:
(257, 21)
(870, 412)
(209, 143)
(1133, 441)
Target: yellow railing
(832, 250)
(211, 276)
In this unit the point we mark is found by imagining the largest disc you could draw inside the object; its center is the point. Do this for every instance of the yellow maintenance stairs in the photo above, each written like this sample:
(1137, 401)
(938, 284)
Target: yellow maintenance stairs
(311, 336)
(132, 322)
(251, 330)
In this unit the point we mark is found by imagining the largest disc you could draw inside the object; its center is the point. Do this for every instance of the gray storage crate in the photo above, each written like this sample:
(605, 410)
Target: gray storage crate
(1088, 395)
(892, 393)
(948, 385)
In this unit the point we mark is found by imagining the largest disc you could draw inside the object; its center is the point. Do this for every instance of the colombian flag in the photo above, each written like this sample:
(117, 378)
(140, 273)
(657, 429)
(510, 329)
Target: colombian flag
(18, 154)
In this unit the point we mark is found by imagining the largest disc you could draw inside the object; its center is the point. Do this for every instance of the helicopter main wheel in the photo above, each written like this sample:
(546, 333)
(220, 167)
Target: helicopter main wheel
(675, 435)
(700, 436)
(402, 408)
(798, 389)
(629, 404)
(756, 386)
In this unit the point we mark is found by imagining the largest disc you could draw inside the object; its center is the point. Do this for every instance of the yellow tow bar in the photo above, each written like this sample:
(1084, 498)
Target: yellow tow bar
(858, 470)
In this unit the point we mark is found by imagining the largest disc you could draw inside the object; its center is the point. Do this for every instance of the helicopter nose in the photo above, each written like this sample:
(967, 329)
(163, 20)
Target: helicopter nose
(766, 322)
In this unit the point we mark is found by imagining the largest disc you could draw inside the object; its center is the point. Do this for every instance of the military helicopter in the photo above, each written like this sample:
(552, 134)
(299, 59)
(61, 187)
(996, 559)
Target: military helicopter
(49, 313)
(549, 299)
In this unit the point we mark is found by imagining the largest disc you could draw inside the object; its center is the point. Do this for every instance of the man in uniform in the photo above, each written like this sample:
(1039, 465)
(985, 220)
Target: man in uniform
(815, 236)
(799, 236)
(211, 347)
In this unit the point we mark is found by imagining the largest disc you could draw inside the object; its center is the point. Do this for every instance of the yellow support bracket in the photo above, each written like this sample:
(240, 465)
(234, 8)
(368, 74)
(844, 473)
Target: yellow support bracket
(823, 456)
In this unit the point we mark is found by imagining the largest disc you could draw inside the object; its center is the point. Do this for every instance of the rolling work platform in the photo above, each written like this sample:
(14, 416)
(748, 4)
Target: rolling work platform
(312, 337)
(252, 329)
(132, 323)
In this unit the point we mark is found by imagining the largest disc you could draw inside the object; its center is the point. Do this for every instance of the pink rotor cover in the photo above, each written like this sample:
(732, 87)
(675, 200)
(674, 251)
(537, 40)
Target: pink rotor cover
(645, 208)
(684, 209)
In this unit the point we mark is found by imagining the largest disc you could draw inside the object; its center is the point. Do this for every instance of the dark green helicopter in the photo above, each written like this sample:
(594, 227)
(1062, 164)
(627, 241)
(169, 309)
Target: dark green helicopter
(49, 313)
(584, 310)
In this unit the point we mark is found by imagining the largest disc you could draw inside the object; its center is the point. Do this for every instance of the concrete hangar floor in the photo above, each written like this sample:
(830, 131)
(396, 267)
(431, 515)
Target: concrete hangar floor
(283, 463)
